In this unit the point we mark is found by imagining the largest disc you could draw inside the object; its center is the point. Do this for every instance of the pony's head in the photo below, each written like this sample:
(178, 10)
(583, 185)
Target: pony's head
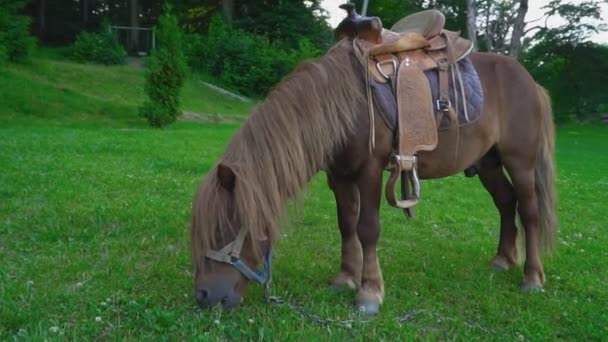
(226, 244)
(288, 138)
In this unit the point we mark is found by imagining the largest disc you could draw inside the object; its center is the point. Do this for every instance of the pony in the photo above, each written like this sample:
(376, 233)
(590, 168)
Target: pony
(316, 120)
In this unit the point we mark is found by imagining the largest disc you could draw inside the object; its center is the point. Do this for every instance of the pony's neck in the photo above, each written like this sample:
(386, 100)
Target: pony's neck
(293, 134)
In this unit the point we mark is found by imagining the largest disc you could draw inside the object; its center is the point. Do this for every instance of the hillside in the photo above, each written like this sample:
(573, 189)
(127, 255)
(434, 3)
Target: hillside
(58, 91)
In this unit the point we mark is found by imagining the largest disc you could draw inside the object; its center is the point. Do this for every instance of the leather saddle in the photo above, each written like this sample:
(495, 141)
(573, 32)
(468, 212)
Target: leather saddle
(400, 56)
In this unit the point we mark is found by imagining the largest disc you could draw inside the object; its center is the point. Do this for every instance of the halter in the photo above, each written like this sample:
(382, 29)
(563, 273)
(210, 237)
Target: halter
(231, 253)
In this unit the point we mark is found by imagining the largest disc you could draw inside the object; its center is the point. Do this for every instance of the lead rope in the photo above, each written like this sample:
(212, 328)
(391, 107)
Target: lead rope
(345, 323)
(268, 298)
(407, 317)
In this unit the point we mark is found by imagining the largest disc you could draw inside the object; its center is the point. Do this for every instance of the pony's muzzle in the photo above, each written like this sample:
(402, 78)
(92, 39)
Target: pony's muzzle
(210, 297)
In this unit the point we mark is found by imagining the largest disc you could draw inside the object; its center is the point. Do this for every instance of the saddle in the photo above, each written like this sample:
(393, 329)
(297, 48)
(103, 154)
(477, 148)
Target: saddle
(400, 56)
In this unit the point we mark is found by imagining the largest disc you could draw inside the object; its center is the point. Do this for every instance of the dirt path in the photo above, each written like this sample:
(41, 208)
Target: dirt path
(210, 118)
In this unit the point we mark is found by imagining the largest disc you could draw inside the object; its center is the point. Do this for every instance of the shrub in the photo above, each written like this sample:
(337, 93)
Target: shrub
(165, 74)
(15, 40)
(242, 61)
(102, 48)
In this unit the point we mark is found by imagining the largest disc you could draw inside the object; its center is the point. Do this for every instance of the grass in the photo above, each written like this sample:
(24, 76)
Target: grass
(94, 212)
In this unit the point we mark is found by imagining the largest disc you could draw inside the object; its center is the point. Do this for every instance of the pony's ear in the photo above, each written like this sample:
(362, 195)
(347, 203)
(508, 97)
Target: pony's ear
(226, 177)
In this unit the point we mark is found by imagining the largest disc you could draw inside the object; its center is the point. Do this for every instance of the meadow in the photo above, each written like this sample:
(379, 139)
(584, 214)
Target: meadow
(94, 219)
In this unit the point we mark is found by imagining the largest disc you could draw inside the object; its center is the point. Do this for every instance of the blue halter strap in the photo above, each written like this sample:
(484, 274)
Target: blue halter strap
(262, 276)
(230, 254)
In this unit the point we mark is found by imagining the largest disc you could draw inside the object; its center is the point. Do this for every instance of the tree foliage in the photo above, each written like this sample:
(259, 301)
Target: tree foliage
(15, 41)
(165, 74)
(284, 22)
(575, 74)
(102, 48)
(497, 21)
(248, 63)
(389, 11)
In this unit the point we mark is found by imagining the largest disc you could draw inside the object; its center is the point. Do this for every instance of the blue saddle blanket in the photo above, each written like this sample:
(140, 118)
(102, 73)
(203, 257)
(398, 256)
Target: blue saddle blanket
(386, 102)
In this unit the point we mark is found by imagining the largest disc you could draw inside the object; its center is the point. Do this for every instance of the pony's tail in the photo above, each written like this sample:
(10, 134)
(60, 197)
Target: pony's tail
(545, 174)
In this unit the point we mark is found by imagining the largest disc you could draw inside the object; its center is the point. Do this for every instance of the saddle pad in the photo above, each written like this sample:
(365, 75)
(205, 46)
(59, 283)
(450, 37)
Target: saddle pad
(384, 99)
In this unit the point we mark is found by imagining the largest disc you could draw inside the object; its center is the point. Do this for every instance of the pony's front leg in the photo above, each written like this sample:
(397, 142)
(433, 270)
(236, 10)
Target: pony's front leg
(347, 203)
(371, 293)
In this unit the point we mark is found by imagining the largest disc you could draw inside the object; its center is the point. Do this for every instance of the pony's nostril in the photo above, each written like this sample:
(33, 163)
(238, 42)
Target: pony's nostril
(202, 296)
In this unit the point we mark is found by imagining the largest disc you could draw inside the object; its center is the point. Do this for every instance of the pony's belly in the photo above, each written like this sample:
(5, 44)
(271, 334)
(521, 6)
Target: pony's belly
(454, 153)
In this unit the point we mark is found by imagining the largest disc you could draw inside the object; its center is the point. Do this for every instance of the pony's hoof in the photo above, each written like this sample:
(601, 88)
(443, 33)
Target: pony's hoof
(531, 288)
(500, 264)
(368, 302)
(533, 282)
(343, 282)
(369, 308)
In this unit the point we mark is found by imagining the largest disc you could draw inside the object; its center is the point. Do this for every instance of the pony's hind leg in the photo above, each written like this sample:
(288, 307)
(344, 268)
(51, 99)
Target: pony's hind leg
(347, 203)
(494, 180)
(371, 293)
(523, 183)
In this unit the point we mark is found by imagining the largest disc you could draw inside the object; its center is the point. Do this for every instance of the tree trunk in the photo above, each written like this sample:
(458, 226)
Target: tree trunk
(518, 29)
(134, 36)
(85, 13)
(487, 35)
(471, 22)
(42, 19)
(364, 9)
(228, 8)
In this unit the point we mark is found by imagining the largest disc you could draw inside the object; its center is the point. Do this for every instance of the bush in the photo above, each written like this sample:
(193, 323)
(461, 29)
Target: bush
(165, 74)
(15, 40)
(101, 48)
(242, 61)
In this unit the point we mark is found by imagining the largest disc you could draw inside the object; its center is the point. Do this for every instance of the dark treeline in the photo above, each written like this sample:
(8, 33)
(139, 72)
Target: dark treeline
(60, 21)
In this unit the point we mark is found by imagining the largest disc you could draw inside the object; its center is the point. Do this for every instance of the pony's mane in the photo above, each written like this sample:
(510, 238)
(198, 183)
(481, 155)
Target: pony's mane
(287, 139)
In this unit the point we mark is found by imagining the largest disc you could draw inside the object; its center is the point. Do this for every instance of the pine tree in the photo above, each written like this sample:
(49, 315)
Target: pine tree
(166, 72)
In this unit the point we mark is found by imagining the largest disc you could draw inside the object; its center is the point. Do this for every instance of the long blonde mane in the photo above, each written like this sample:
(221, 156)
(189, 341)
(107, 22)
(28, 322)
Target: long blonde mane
(287, 139)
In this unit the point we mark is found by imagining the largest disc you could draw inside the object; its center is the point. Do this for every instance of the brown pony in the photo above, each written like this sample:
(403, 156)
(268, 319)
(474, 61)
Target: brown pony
(317, 119)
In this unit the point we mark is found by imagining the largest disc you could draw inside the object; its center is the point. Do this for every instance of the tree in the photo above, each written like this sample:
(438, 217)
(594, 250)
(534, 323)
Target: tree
(15, 41)
(166, 73)
(503, 29)
(578, 89)
(575, 28)
(284, 22)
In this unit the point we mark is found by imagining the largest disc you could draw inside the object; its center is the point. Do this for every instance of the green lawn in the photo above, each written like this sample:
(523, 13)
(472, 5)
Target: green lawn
(94, 212)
